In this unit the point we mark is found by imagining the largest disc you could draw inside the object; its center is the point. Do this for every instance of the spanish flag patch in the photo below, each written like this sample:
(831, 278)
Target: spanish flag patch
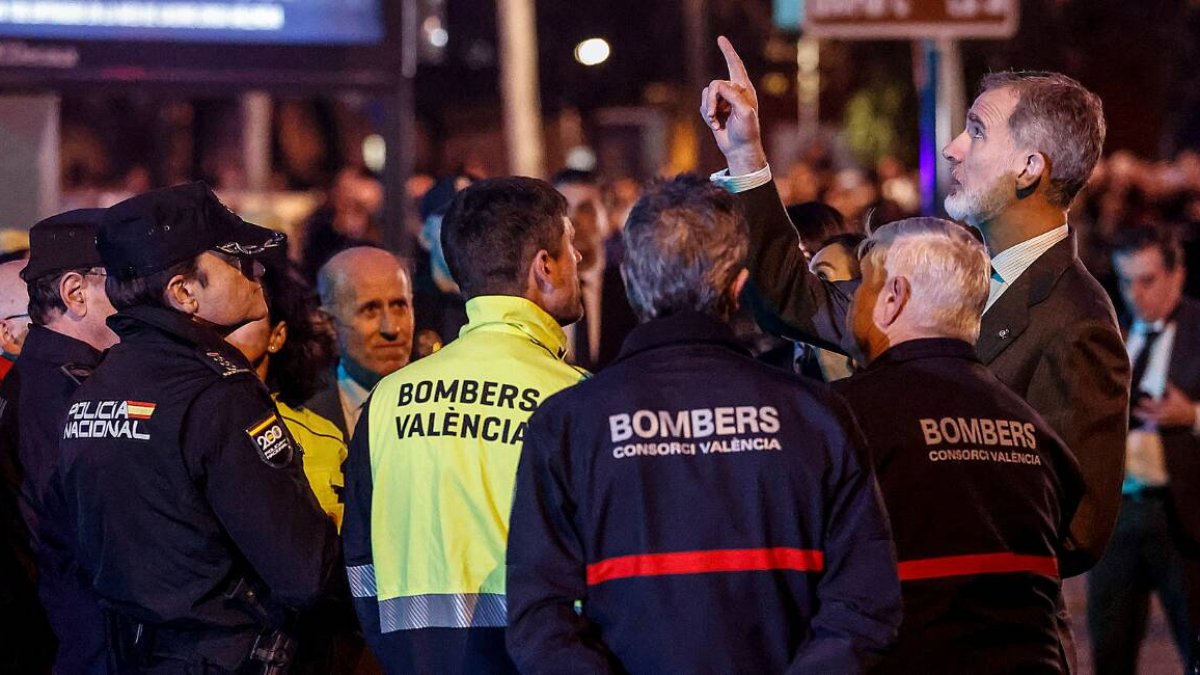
(139, 410)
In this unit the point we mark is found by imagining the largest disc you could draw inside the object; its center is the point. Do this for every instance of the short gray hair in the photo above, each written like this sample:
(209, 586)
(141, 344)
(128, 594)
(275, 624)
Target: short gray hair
(685, 240)
(947, 267)
(1057, 116)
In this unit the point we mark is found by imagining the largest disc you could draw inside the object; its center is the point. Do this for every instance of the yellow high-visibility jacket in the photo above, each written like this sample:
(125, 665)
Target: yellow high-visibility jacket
(431, 469)
(324, 451)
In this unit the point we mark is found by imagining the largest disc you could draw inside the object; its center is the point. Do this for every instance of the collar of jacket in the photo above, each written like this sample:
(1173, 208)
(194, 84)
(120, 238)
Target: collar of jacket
(134, 320)
(684, 327)
(1008, 317)
(511, 314)
(925, 348)
(44, 344)
(1044, 272)
(1038, 280)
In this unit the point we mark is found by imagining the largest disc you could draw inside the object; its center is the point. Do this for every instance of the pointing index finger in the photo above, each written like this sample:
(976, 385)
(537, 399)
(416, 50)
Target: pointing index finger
(737, 69)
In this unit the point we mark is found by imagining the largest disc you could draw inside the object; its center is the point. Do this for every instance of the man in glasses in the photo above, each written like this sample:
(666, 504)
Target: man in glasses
(194, 521)
(68, 307)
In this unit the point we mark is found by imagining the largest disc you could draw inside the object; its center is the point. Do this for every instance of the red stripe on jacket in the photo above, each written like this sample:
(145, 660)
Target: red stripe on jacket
(700, 562)
(986, 563)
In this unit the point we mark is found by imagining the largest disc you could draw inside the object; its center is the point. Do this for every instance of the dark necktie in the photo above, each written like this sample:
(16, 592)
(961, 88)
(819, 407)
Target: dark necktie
(1140, 363)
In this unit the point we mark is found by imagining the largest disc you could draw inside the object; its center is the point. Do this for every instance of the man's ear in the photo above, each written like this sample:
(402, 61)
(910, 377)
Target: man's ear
(542, 271)
(73, 293)
(181, 294)
(1036, 167)
(278, 337)
(736, 288)
(893, 298)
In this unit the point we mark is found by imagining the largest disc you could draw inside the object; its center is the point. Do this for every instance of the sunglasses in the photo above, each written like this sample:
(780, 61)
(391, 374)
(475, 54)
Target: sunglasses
(251, 268)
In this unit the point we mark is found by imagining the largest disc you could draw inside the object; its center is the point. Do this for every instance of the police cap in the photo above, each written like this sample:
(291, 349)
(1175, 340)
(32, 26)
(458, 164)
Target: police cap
(63, 242)
(155, 230)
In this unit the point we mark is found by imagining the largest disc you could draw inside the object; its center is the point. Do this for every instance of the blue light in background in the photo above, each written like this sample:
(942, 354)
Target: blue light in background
(789, 14)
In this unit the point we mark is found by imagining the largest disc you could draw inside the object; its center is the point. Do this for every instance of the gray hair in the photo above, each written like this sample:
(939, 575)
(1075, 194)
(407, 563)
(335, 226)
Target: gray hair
(685, 240)
(1057, 116)
(947, 267)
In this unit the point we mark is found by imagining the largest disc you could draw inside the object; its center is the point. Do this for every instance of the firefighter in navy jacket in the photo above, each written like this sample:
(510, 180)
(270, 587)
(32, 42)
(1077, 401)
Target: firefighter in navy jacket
(709, 514)
(979, 490)
(193, 516)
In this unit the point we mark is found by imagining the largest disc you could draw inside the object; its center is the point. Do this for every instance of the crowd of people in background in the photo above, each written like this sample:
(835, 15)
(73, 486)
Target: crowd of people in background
(583, 425)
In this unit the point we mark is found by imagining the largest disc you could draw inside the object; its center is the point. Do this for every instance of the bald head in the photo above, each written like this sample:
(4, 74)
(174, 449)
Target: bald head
(368, 294)
(14, 307)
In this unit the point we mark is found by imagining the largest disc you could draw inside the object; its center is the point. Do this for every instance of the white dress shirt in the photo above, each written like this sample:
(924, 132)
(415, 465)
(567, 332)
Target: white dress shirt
(1144, 463)
(743, 183)
(352, 396)
(1009, 264)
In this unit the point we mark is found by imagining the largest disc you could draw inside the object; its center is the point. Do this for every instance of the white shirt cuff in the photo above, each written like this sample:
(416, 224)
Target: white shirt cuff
(744, 183)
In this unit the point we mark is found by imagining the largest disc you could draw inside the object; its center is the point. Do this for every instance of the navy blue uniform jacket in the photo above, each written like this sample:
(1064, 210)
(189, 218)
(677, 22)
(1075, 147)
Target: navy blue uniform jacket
(710, 513)
(183, 480)
(38, 392)
(979, 491)
(1052, 338)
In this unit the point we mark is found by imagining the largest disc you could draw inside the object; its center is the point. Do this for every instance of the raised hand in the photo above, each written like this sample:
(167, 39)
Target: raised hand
(730, 108)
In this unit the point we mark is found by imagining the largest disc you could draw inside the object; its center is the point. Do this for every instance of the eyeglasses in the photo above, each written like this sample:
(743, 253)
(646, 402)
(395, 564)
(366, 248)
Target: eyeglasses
(251, 268)
(234, 248)
(20, 323)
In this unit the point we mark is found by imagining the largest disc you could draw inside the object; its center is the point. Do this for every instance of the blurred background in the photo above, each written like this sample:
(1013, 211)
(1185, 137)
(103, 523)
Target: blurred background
(270, 111)
(352, 120)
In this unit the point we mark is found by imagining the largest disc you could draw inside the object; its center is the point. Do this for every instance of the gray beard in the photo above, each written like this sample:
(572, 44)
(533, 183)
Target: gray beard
(977, 208)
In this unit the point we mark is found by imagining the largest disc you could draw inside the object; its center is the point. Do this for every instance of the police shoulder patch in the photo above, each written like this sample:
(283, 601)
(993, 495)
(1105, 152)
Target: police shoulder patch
(75, 372)
(272, 441)
(222, 365)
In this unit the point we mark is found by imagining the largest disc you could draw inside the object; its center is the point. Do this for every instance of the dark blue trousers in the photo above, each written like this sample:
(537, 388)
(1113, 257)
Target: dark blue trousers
(1142, 558)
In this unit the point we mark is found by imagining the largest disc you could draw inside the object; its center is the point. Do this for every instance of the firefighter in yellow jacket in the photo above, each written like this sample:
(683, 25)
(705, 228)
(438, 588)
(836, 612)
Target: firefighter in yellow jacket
(430, 474)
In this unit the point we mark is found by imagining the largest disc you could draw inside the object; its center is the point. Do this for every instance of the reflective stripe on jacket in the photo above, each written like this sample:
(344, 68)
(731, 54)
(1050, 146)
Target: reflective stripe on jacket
(441, 439)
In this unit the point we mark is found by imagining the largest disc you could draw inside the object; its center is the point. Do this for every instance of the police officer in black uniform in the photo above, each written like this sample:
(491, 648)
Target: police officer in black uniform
(194, 519)
(68, 306)
(978, 488)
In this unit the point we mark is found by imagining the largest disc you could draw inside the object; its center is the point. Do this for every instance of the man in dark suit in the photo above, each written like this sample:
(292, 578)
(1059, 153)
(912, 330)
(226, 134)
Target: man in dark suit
(1158, 531)
(366, 293)
(1049, 331)
(596, 338)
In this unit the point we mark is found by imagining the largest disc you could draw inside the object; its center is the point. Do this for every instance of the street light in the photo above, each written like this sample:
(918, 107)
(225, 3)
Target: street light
(592, 52)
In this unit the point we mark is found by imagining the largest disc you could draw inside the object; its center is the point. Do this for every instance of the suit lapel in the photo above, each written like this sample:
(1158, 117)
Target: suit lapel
(1004, 320)
(1008, 317)
(1181, 368)
(328, 404)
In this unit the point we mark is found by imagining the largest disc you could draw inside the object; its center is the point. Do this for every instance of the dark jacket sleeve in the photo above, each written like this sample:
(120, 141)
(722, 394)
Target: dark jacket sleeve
(786, 297)
(356, 525)
(859, 608)
(1070, 492)
(547, 571)
(1081, 388)
(269, 512)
